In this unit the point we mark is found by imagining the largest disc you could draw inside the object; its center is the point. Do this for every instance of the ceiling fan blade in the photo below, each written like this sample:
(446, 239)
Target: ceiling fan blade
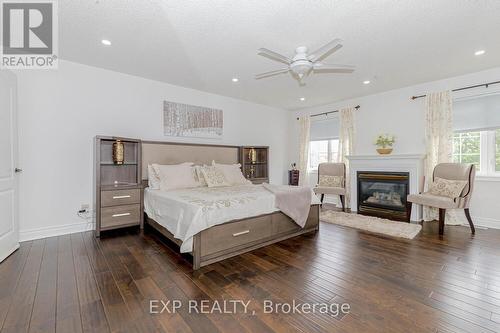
(332, 68)
(274, 56)
(271, 73)
(325, 50)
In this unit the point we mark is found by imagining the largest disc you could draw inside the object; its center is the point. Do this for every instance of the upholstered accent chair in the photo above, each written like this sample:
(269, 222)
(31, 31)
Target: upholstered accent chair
(331, 180)
(448, 171)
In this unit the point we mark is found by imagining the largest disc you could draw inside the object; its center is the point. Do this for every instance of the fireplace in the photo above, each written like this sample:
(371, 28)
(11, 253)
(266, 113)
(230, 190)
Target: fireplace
(383, 194)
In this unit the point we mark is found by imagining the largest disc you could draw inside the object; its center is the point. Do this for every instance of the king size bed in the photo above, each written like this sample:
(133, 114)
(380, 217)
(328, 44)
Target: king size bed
(215, 223)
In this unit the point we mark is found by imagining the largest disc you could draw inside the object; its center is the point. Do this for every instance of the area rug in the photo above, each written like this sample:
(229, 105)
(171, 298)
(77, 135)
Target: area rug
(372, 224)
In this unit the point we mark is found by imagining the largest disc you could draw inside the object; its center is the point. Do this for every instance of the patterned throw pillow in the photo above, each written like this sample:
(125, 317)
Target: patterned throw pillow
(447, 188)
(200, 179)
(331, 181)
(214, 176)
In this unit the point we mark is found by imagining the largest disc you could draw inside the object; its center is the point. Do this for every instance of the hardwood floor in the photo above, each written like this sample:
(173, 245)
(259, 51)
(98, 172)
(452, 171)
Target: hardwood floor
(76, 283)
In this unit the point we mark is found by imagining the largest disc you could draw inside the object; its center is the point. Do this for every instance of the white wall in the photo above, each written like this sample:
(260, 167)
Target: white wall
(395, 113)
(61, 111)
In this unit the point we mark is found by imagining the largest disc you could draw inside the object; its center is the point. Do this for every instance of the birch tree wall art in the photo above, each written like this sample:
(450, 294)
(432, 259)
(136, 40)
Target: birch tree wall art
(192, 121)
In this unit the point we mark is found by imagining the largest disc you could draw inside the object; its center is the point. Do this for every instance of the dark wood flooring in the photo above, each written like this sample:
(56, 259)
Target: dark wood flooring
(76, 283)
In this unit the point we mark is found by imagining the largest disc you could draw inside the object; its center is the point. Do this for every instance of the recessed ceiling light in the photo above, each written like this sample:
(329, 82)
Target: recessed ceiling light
(302, 99)
(366, 82)
(235, 79)
(480, 52)
(106, 42)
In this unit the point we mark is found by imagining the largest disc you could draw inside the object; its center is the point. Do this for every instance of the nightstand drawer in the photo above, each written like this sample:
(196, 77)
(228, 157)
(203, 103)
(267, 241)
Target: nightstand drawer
(120, 215)
(120, 197)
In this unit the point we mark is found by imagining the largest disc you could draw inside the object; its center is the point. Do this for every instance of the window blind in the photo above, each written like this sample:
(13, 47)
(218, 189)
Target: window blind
(325, 128)
(478, 113)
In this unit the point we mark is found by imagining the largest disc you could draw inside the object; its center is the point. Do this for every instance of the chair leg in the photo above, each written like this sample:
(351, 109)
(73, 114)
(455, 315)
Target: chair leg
(467, 215)
(342, 202)
(442, 215)
(322, 197)
(408, 211)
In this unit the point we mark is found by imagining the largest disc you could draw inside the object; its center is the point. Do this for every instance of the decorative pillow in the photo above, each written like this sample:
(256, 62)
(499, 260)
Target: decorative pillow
(214, 176)
(175, 176)
(232, 173)
(153, 179)
(200, 179)
(447, 188)
(331, 181)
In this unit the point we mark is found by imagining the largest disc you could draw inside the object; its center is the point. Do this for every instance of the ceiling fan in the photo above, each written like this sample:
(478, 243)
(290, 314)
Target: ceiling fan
(303, 63)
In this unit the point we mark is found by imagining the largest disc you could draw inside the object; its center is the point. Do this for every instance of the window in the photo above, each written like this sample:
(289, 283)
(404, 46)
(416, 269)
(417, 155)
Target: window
(497, 150)
(322, 151)
(467, 148)
(481, 148)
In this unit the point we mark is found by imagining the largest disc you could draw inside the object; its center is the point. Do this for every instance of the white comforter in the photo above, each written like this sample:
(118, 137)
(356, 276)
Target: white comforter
(186, 212)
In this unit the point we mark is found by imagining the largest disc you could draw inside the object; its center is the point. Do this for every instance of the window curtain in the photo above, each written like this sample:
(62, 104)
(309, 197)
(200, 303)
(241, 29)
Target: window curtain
(304, 133)
(347, 134)
(439, 144)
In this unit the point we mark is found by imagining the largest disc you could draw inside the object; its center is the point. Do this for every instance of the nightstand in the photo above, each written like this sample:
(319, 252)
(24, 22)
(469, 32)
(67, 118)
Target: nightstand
(118, 187)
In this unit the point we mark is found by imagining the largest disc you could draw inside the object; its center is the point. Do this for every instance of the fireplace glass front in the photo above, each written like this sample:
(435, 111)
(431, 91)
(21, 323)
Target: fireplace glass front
(383, 194)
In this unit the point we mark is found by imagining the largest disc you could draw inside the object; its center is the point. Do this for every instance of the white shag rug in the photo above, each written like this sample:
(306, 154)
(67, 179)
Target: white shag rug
(372, 224)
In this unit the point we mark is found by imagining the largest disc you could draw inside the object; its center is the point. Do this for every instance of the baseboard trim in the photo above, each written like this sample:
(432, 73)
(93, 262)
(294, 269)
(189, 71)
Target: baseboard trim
(38, 233)
(486, 222)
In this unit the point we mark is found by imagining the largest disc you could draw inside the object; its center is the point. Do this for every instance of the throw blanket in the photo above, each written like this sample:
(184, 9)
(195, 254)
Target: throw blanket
(294, 201)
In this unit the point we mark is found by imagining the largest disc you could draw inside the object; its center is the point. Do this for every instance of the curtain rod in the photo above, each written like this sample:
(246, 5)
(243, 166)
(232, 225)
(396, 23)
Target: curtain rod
(464, 88)
(327, 113)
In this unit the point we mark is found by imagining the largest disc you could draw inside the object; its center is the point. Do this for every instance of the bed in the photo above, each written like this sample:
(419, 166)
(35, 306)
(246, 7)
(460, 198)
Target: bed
(213, 224)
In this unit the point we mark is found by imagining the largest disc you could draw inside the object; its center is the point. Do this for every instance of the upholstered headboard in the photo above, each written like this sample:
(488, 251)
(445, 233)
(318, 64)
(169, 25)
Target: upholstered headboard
(175, 153)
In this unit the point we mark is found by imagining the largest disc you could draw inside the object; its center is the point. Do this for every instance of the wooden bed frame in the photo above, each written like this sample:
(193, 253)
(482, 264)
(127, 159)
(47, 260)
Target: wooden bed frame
(231, 238)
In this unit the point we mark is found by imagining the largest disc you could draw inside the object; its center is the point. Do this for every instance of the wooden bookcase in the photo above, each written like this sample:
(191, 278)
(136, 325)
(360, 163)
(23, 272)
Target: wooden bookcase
(255, 163)
(118, 200)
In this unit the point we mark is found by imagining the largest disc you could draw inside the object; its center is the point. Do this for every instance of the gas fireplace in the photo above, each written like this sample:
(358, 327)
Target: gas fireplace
(383, 194)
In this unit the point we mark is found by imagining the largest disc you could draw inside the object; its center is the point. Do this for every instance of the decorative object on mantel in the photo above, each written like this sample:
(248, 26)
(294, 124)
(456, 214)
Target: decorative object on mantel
(118, 152)
(372, 224)
(192, 121)
(384, 143)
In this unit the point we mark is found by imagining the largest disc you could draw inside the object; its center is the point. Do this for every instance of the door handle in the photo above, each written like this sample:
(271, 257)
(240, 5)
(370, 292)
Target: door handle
(17, 170)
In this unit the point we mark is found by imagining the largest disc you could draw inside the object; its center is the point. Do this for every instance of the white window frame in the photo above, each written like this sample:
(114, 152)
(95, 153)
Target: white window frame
(487, 155)
(488, 158)
(329, 152)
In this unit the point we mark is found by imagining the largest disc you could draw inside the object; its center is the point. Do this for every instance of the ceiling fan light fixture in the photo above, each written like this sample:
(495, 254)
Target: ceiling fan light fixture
(303, 62)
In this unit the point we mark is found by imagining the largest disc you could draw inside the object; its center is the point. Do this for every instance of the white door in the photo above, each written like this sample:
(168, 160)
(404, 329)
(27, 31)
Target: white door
(9, 228)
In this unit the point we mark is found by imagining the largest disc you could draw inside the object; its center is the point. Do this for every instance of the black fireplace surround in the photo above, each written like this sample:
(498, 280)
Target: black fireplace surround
(383, 194)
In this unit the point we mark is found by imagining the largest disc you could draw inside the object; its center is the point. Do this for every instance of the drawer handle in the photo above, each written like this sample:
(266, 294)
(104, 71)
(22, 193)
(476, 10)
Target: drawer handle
(120, 215)
(241, 233)
(121, 196)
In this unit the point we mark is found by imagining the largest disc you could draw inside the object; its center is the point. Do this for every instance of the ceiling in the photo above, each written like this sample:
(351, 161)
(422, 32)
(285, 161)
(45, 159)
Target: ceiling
(204, 44)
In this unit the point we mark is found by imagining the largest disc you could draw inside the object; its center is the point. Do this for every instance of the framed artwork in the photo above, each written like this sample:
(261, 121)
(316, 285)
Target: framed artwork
(186, 120)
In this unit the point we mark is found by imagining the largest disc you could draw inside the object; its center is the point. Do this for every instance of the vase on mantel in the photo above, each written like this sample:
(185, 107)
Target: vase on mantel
(384, 151)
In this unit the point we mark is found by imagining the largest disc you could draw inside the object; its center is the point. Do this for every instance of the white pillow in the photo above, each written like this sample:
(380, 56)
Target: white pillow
(153, 179)
(214, 176)
(232, 173)
(176, 176)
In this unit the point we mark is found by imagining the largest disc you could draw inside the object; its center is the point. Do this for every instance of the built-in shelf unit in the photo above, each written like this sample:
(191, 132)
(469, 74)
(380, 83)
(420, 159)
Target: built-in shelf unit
(255, 163)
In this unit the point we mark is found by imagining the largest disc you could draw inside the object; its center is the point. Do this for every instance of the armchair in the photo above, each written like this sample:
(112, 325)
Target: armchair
(331, 180)
(449, 171)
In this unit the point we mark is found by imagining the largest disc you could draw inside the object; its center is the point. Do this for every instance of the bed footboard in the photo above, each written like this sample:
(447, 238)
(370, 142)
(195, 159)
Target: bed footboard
(236, 237)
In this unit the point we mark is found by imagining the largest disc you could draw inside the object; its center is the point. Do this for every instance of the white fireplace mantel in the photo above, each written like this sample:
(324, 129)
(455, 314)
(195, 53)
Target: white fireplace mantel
(411, 163)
